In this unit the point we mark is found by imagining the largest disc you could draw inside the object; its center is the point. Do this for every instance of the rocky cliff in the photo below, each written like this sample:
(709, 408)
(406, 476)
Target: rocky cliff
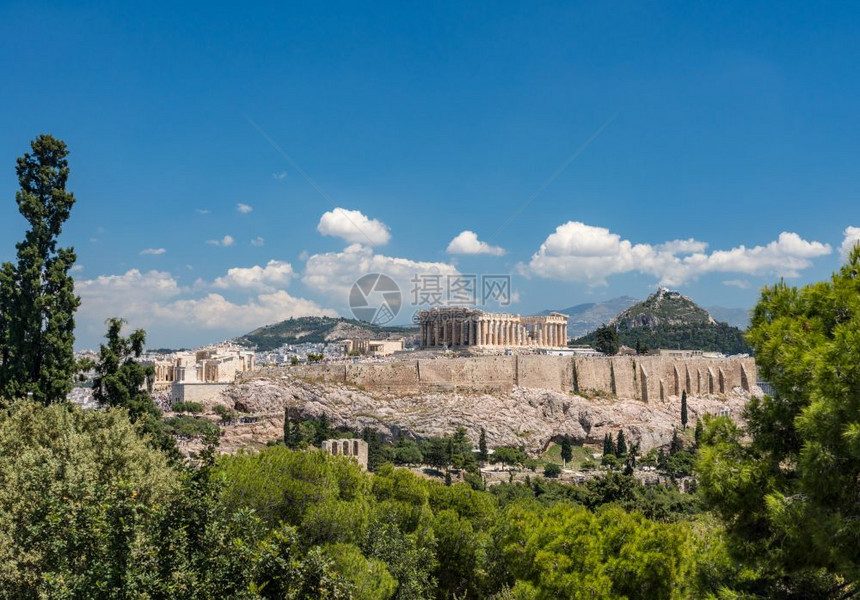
(527, 416)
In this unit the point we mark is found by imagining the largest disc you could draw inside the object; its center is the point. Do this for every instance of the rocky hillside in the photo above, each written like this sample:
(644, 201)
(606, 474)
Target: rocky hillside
(316, 330)
(585, 318)
(525, 416)
(667, 319)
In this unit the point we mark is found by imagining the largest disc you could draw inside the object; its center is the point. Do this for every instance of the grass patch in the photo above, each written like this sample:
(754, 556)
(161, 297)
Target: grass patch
(553, 455)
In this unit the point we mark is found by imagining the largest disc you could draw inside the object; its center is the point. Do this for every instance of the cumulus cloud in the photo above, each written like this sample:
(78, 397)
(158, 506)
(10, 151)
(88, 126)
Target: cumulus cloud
(203, 211)
(333, 273)
(274, 275)
(177, 315)
(852, 237)
(467, 242)
(354, 227)
(244, 208)
(584, 253)
(214, 311)
(279, 175)
(258, 241)
(227, 240)
(738, 283)
(153, 251)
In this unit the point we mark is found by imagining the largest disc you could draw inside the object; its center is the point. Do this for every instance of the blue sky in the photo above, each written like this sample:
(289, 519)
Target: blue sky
(732, 127)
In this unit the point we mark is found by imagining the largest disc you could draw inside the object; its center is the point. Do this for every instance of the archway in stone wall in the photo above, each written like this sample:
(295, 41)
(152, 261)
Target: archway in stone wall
(677, 387)
(722, 381)
(688, 383)
(710, 381)
(662, 390)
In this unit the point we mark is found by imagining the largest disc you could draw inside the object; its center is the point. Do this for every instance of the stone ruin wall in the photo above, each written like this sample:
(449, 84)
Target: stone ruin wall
(637, 377)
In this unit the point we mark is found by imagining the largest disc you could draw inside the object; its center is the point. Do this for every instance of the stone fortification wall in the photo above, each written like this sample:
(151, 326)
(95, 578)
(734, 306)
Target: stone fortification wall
(637, 377)
(196, 392)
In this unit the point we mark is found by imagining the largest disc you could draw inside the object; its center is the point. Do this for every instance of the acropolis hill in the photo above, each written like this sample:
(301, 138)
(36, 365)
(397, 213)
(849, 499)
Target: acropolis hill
(524, 400)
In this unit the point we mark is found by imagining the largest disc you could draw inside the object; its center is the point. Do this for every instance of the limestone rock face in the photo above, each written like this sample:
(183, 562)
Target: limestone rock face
(527, 416)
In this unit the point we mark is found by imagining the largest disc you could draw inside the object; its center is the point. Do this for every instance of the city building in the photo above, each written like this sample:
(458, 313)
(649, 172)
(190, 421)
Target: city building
(373, 347)
(199, 374)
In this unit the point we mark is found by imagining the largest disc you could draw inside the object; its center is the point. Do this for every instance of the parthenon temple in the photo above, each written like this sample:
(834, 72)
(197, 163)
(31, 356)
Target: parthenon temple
(472, 327)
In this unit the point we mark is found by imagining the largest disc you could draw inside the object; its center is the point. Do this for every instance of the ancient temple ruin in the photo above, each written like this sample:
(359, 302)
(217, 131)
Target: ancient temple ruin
(447, 327)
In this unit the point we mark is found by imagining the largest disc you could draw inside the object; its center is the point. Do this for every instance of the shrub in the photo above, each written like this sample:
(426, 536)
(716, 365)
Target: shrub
(186, 426)
(190, 407)
(552, 470)
(226, 414)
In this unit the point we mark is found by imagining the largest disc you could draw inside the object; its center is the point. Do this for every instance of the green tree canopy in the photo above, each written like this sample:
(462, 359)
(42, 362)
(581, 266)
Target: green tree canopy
(37, 295)
(606, 340)
(789, 497)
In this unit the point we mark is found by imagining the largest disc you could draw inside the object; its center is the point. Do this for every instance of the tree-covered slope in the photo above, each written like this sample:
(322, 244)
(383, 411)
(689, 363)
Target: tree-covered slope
(316, 330)
(667, 319)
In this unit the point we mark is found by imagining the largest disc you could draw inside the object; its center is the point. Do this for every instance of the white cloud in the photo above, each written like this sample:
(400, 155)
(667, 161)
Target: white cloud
(214, 312)
(176, 315)
(153, 251)
(354, 227)
(688, 246)
(852, 237)
(274, 275)
(589, 254)
(333, 273)
(227, 240)
(77, 268)
(258, 242)
(467, 242)
(738, 283)
(203, 211)
(280, 175)
(244, 208)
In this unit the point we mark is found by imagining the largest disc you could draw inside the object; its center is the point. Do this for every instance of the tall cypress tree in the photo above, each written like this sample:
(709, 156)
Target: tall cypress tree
(288, 431)
(621, 445)
(684, 409)
(566, 450)
(608, 445)
(37, 296)
(483, 453)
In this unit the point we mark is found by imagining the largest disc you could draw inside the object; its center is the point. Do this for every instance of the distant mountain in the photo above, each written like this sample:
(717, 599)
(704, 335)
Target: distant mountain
(585, 318)
(317, 330)
(737, 317)
(667, 319)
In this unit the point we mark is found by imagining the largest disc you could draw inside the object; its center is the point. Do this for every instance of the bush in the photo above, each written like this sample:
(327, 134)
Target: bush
(226, 414)
(190, 407)
(551, 470)
(611, 462)
(508, 455)
(186, 426)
